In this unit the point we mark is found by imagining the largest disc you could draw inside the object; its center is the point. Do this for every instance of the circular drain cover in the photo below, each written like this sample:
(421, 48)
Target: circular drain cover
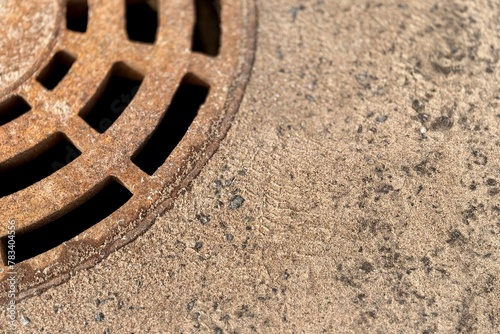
(108, 109)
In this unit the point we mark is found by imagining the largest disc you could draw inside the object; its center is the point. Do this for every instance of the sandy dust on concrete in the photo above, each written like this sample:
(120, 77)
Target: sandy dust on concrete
(358, 190)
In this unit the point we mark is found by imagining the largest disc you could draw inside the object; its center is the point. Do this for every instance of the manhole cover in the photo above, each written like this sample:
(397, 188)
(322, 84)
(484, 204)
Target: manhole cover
(108, 109)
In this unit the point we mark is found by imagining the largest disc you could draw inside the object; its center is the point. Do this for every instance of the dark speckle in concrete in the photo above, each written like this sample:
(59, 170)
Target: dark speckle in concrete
(198, 245)
(367, 267)
(99, 317)
(203, 219)
(418, 106)
(190, 305)
(442, 123)
(236, 202)
(491, 182)
(454, 237)
(294, 11)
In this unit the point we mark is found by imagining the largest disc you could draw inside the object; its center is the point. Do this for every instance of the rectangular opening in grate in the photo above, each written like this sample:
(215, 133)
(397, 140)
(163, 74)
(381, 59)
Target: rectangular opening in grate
(56, 70)
(142, 20)
(77, 15)
(103, 201)
(187, 100)
(12, 108)
(113, 96)
(40, 162)
(207, 30)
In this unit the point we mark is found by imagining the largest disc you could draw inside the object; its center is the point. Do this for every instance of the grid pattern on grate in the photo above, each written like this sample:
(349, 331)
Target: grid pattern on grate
(127, 113)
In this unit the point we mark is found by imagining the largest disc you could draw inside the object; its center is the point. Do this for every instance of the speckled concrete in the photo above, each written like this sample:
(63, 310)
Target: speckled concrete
(358, 190)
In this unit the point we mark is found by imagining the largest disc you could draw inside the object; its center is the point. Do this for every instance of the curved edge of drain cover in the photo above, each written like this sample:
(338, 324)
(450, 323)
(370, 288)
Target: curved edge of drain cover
(236, 92)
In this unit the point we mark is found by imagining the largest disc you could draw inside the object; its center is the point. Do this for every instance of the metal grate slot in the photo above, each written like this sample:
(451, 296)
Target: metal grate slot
(183, 108)
(207, 31)
(42, 161)
(114, 95)
(109, 198)
(77, 15)
(142, 20)
(56, 70)
(12, 108)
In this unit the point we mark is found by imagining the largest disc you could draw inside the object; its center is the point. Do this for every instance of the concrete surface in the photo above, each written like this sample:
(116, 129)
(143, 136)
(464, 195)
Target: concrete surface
(358, 190)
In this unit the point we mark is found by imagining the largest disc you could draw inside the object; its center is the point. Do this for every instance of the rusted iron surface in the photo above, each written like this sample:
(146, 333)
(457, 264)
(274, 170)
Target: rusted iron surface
(61, 77)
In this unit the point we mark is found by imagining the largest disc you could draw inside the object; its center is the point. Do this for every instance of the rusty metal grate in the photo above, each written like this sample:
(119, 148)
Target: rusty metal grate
(110, 110)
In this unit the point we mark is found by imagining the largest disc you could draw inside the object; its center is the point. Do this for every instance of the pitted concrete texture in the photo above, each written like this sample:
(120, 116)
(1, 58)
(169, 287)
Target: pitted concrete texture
(358, 190)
